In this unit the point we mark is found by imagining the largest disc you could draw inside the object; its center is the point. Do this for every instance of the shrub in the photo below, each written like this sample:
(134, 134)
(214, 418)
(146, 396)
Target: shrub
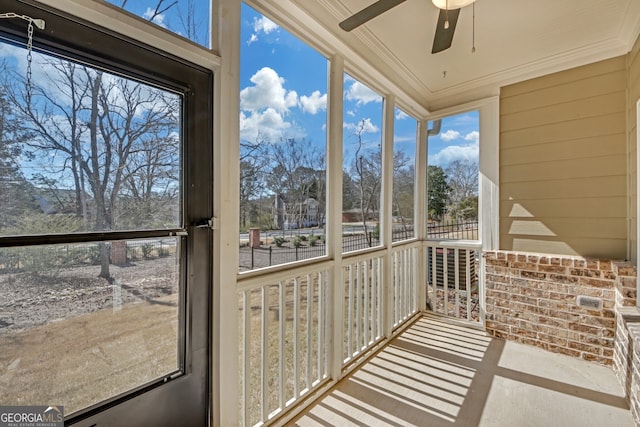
(147, 248)
(279, 241)
(297, 242)
(376, 232)
(313, 239)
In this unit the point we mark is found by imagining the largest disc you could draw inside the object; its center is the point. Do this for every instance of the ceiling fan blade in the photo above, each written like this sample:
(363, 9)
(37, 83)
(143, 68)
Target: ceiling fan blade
(443, 37)
(368, 13)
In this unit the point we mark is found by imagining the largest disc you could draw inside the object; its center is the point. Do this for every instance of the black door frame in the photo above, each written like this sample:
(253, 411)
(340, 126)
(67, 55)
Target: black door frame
(182, 398)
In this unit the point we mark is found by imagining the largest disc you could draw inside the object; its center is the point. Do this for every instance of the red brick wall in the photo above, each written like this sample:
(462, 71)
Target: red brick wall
(532, 299)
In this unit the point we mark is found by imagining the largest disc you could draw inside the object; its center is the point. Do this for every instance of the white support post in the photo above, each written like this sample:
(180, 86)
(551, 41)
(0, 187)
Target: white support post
(386, 209)
(637, 213)
(489, 217)
(225, 343)
(420, 210)
(488, 195)
(334, 213)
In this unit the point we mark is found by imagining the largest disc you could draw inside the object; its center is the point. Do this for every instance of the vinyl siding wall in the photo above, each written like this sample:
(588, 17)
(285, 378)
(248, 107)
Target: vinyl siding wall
(564, 162)
(633, 97)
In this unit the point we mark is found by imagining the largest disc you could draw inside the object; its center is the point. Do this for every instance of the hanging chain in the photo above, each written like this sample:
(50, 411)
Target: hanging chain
(29, 45)
(38, 23)
(473, 31)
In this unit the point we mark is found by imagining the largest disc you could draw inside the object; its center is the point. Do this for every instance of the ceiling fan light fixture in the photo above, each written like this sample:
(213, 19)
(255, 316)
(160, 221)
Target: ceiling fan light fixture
(451, 4)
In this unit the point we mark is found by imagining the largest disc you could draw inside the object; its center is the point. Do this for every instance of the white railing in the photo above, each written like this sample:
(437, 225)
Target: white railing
(302, 329)
(363, 304)
(404, 265)
(283, 336)
(454, 280)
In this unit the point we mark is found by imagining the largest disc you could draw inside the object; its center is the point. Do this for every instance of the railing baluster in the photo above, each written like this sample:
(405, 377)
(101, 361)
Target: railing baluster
(309, 314)
(264, 367)
(296, 335)
(445, 280)
(246, 357)
(282, 316)
(468, 281)
(380, 290)
(396, 288)
(434, 282)
(358, 308)
(405, 284)
(410, 266)
(320, 325)
(456, 260)
(366, 312)
(350, 311)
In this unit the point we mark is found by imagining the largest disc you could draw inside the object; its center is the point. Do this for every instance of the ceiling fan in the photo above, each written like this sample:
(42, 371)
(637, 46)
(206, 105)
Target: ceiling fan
(447, 19)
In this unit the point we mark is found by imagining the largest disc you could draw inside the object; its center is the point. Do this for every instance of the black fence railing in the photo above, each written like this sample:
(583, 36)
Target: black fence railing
(54, 257)
(266, 256)
(465, 230)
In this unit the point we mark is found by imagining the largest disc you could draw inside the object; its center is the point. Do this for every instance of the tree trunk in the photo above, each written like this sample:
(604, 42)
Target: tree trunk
(104, 262)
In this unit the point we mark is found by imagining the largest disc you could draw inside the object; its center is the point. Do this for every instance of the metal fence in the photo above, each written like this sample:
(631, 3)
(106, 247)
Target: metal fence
(39, 258)
(454, 230)
(266, 256)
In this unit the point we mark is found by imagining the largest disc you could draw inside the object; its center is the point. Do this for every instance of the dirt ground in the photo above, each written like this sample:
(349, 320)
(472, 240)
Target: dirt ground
(62, 334)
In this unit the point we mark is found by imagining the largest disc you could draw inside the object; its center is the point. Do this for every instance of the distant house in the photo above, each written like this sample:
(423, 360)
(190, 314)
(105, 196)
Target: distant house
(292, 215)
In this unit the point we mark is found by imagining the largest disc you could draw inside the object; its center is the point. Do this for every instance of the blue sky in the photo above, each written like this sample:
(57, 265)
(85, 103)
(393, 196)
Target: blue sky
(173, 15)
(284, 92)
(457, 140)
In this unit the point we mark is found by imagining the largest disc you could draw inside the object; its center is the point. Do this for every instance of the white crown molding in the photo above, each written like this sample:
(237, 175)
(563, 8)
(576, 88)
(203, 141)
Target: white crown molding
(490, 84)
(630, 28)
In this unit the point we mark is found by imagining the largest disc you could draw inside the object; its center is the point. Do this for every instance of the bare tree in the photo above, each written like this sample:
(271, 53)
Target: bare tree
(99, 128)
(252, 171)
(191, 23)
(297, 173)
(367, 168)
(15, 191)
(150, 194)
(462, 178)
(403, 189)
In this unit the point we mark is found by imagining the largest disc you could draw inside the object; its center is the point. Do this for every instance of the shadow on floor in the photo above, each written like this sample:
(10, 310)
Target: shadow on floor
(441, 374)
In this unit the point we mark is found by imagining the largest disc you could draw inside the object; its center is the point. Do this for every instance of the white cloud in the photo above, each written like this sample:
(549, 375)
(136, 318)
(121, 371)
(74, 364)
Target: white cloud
(464, 120)
(314, 103)
(451, 153)
(362, 94)
(268, 92)
(401, 139)
(267, 104)
(158, 19)
(401, 115)
(449, 135)
(472, 136)
(262, 25)
(268, 123)
(365, 125)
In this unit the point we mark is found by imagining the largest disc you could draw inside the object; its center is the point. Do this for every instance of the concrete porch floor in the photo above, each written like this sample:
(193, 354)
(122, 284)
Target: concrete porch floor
(437, 373)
